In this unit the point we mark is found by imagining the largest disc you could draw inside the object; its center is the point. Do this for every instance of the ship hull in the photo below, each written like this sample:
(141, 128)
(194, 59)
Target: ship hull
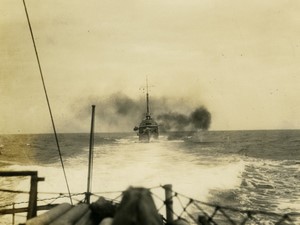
(146, 135)
(147, 130)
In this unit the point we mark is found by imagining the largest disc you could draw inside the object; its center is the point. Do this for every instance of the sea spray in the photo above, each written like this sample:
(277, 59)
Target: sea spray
(243, 169)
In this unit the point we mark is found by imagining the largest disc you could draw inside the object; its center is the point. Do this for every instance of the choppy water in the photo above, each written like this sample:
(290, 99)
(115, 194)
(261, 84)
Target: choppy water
(244, 169)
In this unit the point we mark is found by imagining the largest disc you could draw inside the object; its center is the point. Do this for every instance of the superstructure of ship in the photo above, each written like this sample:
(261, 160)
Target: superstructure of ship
(148, 128)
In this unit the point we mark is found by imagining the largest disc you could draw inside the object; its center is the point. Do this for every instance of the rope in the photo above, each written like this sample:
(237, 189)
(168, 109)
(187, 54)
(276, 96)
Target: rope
(61, 195)
(47, 99)
(192, 208)
(14, 191)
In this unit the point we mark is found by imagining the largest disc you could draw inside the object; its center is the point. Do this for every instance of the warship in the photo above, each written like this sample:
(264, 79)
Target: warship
(148, 128)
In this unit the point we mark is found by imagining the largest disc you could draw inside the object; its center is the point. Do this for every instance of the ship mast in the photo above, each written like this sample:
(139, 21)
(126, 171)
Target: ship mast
(147, 98)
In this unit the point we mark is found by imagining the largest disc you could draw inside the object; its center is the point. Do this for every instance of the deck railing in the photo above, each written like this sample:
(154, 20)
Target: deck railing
(170, 204)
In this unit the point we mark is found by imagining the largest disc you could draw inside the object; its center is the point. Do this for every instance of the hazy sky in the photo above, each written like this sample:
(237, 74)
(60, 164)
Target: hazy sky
(240, 59)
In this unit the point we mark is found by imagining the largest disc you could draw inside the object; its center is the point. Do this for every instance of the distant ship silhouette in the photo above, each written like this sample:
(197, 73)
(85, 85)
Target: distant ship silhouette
(148, 128)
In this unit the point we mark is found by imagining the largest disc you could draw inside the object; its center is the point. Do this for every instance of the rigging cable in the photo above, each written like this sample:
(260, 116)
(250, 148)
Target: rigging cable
(48, 102)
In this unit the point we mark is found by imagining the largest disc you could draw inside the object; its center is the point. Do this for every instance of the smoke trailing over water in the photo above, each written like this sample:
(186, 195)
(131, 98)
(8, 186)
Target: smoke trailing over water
(120, 113)
(200, 118)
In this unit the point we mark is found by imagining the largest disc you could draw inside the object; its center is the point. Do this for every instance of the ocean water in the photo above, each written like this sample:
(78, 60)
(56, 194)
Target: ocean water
(257, 170)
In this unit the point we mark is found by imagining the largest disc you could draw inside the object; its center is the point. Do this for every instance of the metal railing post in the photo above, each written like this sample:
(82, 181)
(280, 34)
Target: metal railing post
(169, 203)
(32, 205)
(13, 215)
(91, 155)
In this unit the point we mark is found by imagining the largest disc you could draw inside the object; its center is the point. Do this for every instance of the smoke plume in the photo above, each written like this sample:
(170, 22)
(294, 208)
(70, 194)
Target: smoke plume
(120, 113)
(200, 118)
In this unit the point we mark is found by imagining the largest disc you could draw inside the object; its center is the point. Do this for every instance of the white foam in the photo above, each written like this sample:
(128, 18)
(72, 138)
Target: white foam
(142, 164)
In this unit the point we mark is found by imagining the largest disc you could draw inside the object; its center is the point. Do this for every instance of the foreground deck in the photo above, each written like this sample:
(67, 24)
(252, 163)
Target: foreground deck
(135, 206)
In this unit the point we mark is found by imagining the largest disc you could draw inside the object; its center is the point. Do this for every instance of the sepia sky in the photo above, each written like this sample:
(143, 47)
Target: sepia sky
(240, 59)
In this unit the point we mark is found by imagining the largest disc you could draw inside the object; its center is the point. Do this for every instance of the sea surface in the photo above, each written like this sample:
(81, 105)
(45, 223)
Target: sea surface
(254, 170)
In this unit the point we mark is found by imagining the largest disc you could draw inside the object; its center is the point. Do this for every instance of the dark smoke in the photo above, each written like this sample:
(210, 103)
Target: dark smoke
(200, 118)
(124, 106)
(114, 113)
(120, 113)
(173, 121)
